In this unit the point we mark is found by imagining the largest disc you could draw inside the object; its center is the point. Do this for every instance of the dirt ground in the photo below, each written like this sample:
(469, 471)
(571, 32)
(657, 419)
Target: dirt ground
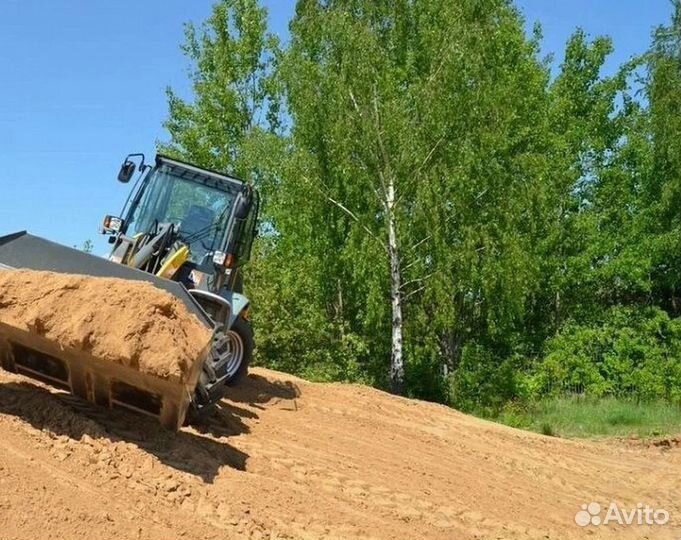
(290, 459)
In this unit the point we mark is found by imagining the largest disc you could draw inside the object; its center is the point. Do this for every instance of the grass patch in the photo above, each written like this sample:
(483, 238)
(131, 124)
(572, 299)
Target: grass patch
(591, 417)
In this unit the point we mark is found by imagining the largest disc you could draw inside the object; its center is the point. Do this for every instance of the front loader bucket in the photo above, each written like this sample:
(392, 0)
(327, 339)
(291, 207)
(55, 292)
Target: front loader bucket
(98, 381)
(23, 250)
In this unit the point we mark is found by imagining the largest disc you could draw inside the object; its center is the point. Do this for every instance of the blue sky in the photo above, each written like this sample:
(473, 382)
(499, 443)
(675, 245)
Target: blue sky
(83, 84)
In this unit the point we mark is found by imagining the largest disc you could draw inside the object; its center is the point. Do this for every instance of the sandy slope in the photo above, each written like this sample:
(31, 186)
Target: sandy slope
(290, 459)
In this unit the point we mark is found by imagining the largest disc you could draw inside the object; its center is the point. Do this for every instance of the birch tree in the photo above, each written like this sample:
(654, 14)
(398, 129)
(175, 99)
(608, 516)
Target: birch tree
(381, 95)
(347, 116)
(436, 206)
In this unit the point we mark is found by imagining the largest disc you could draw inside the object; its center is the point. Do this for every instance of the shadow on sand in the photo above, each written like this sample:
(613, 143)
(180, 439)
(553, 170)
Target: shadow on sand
(199, 450)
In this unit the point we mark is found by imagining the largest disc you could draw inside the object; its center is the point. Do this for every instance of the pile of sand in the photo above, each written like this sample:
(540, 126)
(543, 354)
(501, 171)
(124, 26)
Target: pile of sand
(283, 459)
(127, 322)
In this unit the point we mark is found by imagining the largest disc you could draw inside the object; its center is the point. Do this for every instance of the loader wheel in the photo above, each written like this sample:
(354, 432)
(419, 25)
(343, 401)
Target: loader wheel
(227, 365)
(240, 340)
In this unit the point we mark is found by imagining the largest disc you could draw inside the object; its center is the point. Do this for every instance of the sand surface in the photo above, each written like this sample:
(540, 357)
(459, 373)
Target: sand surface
(290, 459)
(127, 322)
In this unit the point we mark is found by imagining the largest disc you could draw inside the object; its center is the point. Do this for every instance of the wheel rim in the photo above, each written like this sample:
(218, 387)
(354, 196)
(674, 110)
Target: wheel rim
(235, 353)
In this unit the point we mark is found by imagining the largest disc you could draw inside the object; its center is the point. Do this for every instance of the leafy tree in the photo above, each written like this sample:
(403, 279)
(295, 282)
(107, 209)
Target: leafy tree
(583, 131)
(440, 216)
(87, 246)
(422, 155)
(235, 102)
(662, 189)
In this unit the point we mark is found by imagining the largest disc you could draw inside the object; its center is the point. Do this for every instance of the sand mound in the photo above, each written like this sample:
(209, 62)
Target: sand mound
(283, 458)
(287, 459)
(127, 322)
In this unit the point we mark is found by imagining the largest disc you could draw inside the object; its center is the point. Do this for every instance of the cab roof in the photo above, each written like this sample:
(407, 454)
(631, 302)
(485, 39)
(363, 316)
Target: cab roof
(191, 172)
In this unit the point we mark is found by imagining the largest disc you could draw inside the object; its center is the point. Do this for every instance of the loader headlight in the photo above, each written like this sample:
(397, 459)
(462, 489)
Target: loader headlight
(112, 224)
(219, 258)
(222, 259)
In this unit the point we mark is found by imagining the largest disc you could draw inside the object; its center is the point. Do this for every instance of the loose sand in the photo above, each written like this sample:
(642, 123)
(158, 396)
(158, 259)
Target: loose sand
(287, 459)
(127, 322)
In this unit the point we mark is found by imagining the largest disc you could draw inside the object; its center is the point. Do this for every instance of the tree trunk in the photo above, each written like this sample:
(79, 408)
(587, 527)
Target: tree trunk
(396, 360)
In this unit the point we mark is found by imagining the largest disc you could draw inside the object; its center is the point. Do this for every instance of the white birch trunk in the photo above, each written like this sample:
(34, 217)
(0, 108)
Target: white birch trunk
(396, 360)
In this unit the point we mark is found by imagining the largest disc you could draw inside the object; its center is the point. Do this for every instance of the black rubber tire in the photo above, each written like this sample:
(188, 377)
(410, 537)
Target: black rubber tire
(242, 327)
(197, 415)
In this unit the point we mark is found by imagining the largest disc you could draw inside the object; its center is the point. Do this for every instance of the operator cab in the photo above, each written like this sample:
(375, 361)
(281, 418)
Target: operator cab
(184, 223)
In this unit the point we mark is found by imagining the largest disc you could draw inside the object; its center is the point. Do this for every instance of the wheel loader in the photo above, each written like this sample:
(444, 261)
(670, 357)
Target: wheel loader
(185, 229)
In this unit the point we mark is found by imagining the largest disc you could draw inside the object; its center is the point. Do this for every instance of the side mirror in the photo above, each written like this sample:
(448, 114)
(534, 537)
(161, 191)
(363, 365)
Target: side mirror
(126, 172)
(243, 205)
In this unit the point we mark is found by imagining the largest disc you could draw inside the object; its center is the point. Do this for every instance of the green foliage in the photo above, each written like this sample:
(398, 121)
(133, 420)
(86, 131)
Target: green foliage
(87, 246)
(482, 384)
(630, 352)
(536, 219)
(236, 98)
(447, 100)
(293, 333)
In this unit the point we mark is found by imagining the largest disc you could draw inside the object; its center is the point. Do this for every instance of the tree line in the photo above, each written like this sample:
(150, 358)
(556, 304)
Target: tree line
(443, 216)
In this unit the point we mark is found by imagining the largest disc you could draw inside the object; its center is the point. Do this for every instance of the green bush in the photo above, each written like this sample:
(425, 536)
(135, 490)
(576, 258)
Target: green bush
(482, 383)
(630, 352)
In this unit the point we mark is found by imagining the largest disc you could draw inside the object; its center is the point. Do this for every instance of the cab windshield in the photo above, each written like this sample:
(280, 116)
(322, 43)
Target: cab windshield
(198, 210)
